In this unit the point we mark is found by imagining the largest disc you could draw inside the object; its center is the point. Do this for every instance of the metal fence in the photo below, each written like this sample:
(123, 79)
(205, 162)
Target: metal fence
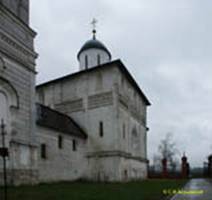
(158, 174)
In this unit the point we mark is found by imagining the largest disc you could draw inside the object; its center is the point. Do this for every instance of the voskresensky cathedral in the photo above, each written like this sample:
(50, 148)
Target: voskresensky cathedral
(89, 125)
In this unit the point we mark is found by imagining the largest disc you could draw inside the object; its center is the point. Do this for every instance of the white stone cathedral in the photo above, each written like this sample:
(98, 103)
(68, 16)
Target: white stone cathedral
(87, 125)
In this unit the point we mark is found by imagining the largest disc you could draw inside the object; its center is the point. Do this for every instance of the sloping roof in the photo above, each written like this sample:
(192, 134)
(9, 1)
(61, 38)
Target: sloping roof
(60, 122)
(117, 63)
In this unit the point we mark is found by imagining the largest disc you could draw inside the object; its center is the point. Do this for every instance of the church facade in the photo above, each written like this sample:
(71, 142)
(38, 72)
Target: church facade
(89, 125)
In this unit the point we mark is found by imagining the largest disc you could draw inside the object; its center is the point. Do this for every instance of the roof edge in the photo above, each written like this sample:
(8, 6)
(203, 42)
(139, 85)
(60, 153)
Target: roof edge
(83, 134)
(117, 62)
(132, 80)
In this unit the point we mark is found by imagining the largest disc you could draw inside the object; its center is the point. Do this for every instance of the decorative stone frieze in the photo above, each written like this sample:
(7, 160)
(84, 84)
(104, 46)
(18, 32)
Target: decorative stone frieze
(115, 154)
(99, 100)
(70, 106)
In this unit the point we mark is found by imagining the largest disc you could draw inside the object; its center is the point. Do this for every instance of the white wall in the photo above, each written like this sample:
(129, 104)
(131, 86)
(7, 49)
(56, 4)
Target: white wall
(92, 56)
(93, 97)
(60, 164)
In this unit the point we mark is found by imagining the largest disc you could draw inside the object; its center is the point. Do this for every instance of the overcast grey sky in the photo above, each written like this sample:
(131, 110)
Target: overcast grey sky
(166, 45)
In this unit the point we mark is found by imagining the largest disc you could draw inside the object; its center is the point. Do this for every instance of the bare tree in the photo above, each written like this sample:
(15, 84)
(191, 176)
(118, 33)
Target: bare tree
(167, 149)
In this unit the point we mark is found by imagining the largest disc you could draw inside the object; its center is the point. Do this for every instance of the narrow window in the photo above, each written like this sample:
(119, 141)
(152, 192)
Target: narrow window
(125, 174)
(124, 134)
(86, 62)
(74, 145)
(98, 60)
(60, 142)
(101, 129)
(43, 151)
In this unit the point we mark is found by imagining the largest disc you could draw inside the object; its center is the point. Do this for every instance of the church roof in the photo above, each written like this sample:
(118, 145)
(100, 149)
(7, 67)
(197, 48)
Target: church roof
(60, 122)
(93, 44)
(118, 63)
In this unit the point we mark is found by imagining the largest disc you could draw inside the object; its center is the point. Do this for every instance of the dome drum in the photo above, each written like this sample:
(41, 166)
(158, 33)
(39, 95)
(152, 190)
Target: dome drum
(93, 53)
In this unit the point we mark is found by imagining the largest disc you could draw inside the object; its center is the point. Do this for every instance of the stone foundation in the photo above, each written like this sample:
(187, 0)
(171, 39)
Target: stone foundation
(20, 177)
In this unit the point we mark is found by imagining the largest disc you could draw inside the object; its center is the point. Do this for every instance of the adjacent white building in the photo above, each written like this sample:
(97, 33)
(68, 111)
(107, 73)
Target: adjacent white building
(87, 125)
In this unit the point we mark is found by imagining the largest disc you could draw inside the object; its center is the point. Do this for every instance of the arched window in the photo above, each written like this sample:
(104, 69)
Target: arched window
(98, 59)
(86, 62)
(43, 151)
(9, 92)
(60, 142)
(74, 145)
(101, 129)
(3, 107)
(8, 100)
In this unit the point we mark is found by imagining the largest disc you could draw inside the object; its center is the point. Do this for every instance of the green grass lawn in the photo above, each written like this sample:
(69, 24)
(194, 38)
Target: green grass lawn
(144, 190)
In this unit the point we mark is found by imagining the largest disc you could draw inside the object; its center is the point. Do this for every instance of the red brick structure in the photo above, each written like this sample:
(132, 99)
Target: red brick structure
(184, 167)
(210, 166)
(164, 165)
